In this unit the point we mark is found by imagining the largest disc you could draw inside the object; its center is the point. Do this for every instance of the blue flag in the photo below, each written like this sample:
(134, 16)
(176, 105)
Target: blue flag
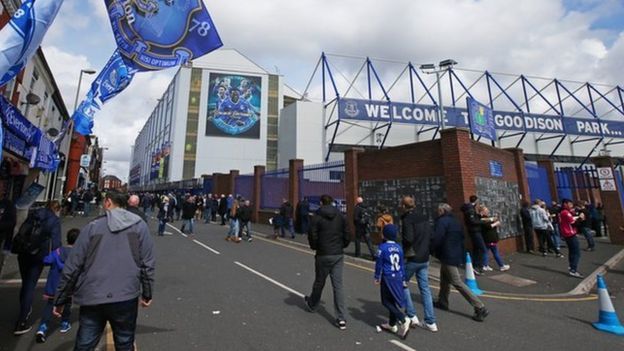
(113, 78)
(481, 119)
(83, 117)
(159, 34)
(22, 37)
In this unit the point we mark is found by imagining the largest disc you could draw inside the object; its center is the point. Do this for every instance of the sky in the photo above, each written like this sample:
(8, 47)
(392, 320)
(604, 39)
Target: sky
(581, 40)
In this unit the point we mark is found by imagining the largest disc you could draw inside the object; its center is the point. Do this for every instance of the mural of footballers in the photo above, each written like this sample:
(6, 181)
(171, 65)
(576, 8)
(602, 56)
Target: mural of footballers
(234, 106)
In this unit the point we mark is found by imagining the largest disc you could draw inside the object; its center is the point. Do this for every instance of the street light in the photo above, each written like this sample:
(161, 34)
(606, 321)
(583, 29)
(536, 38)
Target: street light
(443, 66)
(71, 126)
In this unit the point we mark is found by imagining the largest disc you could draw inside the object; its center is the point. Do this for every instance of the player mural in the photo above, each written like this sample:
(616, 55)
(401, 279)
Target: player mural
(234, 106)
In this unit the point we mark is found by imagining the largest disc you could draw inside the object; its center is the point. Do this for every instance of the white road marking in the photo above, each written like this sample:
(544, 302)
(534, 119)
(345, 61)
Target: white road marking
(206, 247)
(401, 345)
(195, 241)
(271, 280)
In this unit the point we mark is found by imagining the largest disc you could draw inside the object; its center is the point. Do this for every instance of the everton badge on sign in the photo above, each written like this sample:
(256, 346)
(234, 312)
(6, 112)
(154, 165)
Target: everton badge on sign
(158, 34)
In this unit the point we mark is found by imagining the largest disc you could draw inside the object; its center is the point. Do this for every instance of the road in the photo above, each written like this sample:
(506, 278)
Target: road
(212, 294)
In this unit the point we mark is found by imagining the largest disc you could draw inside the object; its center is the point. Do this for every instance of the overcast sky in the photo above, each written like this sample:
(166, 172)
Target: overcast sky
(570, 39)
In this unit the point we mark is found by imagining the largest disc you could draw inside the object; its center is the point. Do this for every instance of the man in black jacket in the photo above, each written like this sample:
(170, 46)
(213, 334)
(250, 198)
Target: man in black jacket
(188, 214)
(328, 236)
(473, 224)
(361, 219)
(416, 233)
(448, 247)
(133, 207)
(527, 226)
(244, 217)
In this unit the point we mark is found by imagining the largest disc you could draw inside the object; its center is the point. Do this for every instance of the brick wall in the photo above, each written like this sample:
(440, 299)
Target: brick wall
(407, 161)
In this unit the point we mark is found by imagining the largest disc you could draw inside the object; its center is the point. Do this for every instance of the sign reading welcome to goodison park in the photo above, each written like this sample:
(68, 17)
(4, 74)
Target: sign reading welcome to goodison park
(398, 112)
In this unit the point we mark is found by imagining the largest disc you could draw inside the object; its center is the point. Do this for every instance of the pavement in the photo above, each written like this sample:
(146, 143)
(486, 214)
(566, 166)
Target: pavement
(212, 294)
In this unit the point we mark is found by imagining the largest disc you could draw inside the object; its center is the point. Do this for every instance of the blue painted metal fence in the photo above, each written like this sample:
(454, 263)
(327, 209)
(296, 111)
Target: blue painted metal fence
(274, 187)
(570, 179)
(538, 182)
(325, 178)
(243, 186)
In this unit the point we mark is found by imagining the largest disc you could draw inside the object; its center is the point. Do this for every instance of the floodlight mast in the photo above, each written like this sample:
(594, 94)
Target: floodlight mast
(430, 68)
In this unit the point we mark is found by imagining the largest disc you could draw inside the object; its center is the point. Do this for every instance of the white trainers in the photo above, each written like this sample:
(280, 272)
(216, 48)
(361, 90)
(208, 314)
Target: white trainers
(390, 328)
(414, 322)
(505, 267)
(488, 268)
(404, 328)
(430, 327)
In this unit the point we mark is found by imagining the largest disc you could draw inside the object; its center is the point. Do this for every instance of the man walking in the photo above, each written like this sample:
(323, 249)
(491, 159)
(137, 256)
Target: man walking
(448, 247)
(361, 220)
(473, 224)
(188, 214)
(113, 260)
(527, 226)
(286, 213)
(133, 207)
(328, 236)
(416, 238)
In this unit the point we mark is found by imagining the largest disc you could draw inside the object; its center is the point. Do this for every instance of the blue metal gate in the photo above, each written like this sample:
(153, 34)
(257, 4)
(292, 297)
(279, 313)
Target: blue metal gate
(538, 182)
(571, 179)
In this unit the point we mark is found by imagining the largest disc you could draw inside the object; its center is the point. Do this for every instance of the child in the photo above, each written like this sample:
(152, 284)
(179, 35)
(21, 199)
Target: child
(490, 236)
(389, 273)
(56, 260)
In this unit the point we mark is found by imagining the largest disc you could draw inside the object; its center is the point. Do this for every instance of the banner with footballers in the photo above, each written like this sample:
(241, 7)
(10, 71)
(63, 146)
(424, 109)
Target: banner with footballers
(158, 34)
(234, 106)
(21, 38)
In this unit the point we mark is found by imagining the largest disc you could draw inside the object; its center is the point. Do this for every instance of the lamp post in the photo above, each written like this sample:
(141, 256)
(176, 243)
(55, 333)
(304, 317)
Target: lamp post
(443, 66)
(71, 127)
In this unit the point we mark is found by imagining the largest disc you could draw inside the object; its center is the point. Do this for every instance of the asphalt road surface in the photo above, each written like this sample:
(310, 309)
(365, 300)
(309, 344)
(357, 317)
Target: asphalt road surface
(212, 294)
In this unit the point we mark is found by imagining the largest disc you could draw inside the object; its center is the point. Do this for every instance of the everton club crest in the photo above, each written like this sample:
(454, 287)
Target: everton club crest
(158, 34)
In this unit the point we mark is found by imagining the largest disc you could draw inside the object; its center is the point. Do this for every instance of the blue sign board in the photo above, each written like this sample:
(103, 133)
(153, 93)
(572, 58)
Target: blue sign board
(400, 112)
(496, 169)
(481, 119)
(18, 124)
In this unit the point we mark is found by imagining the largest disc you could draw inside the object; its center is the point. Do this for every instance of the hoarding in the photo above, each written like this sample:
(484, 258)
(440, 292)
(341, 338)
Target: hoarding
(234, 105)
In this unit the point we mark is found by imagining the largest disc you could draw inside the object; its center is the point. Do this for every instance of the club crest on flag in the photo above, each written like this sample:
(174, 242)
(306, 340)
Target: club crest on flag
(158, 34)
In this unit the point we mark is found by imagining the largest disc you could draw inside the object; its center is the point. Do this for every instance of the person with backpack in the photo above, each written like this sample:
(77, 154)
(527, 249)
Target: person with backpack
(56, 260)
(109, 273)
(39, 235)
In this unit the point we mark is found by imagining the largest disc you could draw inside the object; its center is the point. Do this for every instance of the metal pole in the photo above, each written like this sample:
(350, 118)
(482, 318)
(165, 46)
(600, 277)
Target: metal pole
(440, 104)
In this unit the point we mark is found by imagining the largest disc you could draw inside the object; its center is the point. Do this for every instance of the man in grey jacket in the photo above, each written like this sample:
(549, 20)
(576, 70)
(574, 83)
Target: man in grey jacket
(110, 270)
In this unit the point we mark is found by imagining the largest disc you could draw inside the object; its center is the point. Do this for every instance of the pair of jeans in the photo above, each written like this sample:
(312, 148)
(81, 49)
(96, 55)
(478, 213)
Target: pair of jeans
(362, 235)
(449, 275)
(479, 254)
(288, 224)
(586, 231)
(331, 265)
(421, 270)
(245, 227)
(188, 224)
(494, 249)
(46, 315)
(234, 229)
(574, 252)
(162, 223)
(556, 236)
(389, 302)
(207, 214)
(122, 318)
(545, 240)
(30, 268)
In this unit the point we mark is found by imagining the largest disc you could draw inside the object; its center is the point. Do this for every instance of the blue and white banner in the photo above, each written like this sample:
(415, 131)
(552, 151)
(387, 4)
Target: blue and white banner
(113, 78)
(399, 112)
(159, 34)
(45, 156)
(22, 37)
(481, 119)
(18, 124)
(1, 141)
(83, 117)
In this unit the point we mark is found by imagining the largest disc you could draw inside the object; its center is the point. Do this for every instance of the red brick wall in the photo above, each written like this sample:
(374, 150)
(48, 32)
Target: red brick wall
(483, 154)
(407, 161)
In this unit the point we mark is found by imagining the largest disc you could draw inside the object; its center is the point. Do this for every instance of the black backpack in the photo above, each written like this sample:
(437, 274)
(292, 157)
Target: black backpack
(30, 237)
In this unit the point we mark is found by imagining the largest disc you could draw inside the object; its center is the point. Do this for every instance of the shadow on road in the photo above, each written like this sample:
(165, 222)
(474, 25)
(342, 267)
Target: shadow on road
(294, 300)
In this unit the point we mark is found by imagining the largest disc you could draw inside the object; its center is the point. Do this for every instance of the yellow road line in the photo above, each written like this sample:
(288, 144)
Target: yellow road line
(591, 297)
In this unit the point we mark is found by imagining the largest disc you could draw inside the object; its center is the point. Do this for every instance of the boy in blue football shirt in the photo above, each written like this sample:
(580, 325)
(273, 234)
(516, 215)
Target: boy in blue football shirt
(56, 260)
(389, 273)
